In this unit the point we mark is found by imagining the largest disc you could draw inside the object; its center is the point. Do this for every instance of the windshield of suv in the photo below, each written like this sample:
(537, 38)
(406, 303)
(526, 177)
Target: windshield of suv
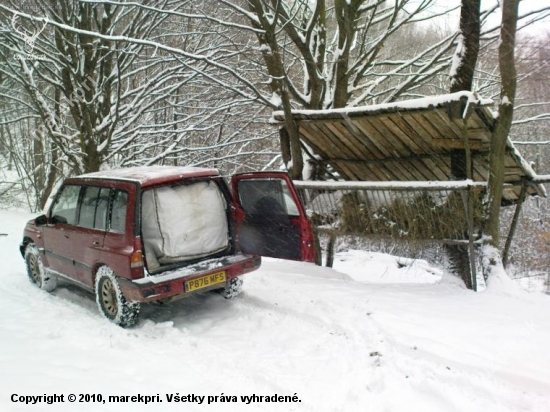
(183, 222)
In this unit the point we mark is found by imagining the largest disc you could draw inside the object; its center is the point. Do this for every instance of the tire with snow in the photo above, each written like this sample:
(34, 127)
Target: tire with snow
(111, 302)
(35, 269)
(233, 288)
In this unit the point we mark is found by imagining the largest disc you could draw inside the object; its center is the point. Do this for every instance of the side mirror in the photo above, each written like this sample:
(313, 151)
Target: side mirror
(58, 219)
(41, 220)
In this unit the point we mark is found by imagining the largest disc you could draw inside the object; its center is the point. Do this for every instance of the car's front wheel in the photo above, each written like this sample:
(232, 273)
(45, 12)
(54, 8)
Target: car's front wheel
(111, 301)
(35, 269)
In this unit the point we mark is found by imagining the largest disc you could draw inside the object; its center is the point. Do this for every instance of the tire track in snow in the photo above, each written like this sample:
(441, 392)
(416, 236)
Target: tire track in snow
(365, 363)
(440, 381)
(248, 302)
(230, 377)
(265, 378)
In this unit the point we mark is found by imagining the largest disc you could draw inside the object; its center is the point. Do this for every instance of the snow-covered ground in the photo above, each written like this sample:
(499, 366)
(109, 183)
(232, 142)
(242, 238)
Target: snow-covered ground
(375, 334)
(536, 282)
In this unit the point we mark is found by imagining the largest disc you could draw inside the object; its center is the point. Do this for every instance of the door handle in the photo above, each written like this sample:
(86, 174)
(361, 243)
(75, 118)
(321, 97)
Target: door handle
(66, 236)
(95, 243)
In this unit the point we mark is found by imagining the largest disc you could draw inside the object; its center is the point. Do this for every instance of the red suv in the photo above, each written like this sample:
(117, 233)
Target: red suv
(155, 233)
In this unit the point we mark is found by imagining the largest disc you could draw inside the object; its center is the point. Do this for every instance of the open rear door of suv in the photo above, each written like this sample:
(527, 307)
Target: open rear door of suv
(271, 220)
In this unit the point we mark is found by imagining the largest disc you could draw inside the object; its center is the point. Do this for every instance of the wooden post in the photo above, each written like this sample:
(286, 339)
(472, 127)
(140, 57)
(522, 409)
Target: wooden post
(330, 249)
(317, 246)
(514, 224)
(469, 205)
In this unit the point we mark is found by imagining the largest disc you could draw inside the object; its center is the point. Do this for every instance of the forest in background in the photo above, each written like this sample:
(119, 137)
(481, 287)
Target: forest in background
(87, 85)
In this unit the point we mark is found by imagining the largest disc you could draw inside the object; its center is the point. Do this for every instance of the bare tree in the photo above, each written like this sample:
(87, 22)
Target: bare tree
(508, 76)
(165, 77)
(331, 54)
(95, 99)
(321, 55)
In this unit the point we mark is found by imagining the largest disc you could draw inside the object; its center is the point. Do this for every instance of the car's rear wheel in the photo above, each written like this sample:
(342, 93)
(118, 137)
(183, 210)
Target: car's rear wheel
(110, 300)
(233, 288)
(35, 269)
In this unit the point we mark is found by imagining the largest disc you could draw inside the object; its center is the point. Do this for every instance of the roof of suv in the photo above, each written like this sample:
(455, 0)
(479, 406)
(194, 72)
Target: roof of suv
(151, 175)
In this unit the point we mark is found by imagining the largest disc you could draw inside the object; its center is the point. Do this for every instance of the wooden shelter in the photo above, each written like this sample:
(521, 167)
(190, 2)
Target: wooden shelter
(412, 140)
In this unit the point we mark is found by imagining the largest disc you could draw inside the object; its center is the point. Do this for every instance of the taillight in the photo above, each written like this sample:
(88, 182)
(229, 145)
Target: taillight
(136, 260)
(255, 262)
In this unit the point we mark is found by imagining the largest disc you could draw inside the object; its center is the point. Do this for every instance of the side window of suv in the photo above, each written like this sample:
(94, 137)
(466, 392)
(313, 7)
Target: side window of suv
(93, 207)
(100, 221)
(87, 206)
(65, 207)
(118, 211)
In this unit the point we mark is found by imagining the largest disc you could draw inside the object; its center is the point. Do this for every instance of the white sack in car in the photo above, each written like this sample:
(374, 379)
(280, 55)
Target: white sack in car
(183, 222)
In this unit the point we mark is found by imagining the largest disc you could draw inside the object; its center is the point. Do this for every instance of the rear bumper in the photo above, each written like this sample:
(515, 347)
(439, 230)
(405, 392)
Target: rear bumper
(172, 283)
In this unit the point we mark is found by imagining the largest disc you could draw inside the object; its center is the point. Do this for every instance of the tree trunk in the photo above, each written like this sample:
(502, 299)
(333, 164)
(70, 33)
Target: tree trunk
(468, 49)
(51, 178)
(296, 164)
(462, 79)
(272, 55)
(504, 121)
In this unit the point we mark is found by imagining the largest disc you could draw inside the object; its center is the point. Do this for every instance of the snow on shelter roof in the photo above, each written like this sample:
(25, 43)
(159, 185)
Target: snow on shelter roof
(411, 140)
(152, 175)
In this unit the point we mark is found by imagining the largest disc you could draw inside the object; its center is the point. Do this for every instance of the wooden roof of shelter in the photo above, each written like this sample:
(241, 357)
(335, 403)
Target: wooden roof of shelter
(409, 140)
